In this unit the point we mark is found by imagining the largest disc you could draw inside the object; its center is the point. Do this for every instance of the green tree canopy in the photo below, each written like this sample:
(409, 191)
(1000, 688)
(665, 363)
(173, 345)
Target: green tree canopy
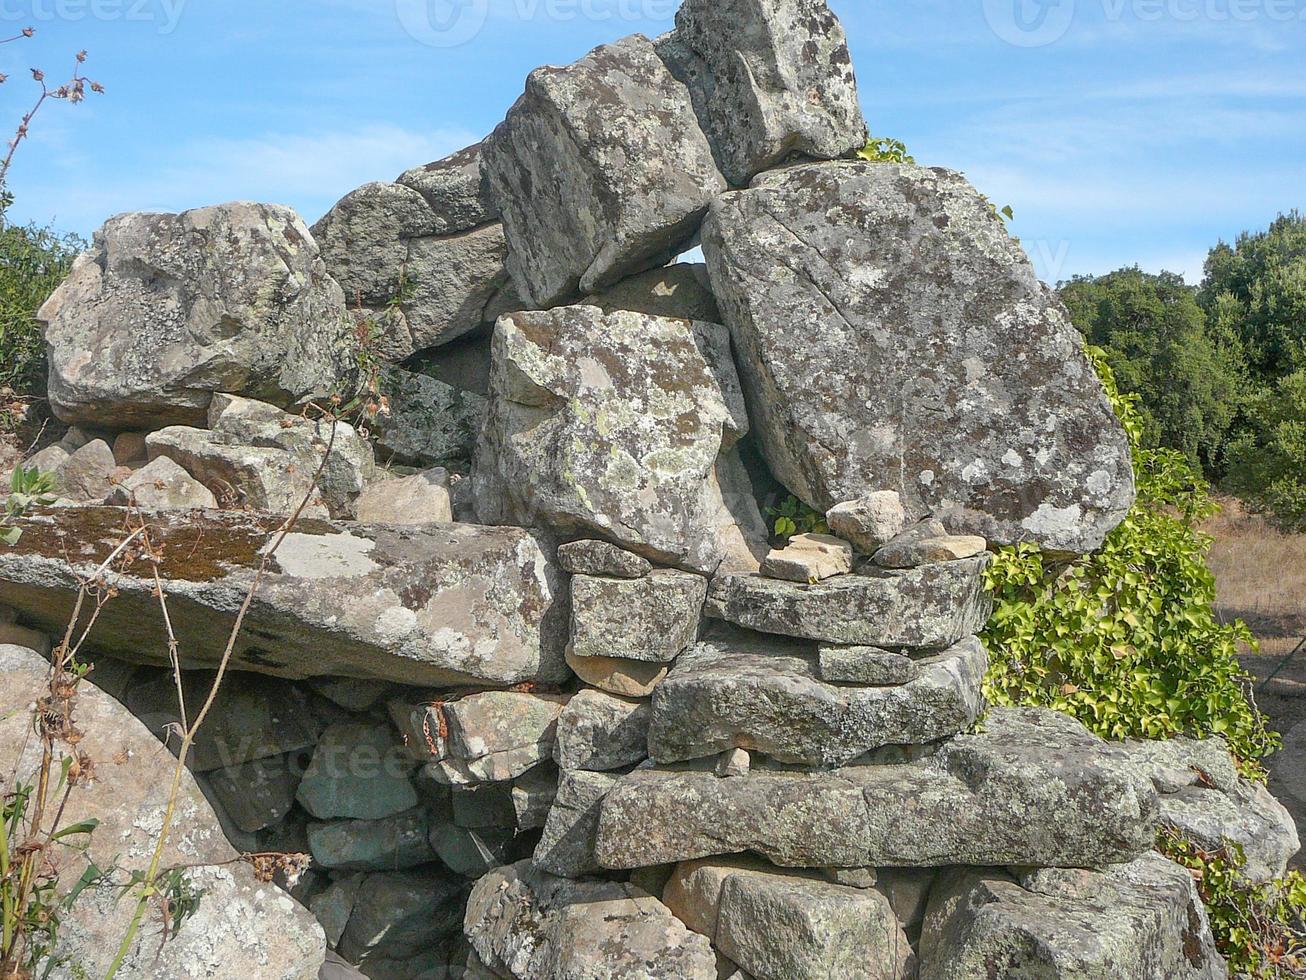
(1155, 339)
(1267, 463)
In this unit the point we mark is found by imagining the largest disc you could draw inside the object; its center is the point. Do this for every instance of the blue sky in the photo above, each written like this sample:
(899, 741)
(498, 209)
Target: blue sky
(1120, 131)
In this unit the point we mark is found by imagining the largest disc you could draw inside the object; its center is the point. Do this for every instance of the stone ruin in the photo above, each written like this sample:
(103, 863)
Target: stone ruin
(530, 680)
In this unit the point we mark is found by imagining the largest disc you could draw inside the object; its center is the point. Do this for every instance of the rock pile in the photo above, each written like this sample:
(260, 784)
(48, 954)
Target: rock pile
(530, 679)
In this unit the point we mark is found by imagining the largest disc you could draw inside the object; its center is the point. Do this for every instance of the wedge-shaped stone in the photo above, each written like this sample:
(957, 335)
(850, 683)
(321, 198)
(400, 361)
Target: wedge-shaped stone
(162, 485)
(601, 171)
(948, 371)
(809, 558)
(865, 665)
(1142, 919)
(600, 732)
(166, 309)
(610, 425)
(759, 693)
(434, 606)
(1014, 795)
(529, 925)
(769, 78)
(566, 847)
(930, 607)
(600, 558)
(456, 190)
(652, 619)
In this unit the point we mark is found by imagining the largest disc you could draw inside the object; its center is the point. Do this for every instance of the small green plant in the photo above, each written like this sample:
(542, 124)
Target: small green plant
(1127, 639)
(28, 488)
(880, 149)
(795, 517)
(1258, 928)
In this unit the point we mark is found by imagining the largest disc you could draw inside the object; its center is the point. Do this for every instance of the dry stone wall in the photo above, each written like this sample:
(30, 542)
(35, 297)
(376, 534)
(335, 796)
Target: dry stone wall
(531, 680)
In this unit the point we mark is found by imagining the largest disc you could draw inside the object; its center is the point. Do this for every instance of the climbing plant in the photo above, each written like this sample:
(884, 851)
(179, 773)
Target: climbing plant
(1126, 639)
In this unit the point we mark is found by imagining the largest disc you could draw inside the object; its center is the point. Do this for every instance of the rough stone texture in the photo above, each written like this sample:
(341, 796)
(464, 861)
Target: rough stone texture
(241, 928)
(1142, 919)
(333, 906)
(256, 795)
(763, 694)
(472, 853)
(601, 732)
(87, 476)
(162, 485)
(522, 804)
(624, 678)
(419, 286)
(693, 889)
(129, 448)
(769, 78)
(652, 619)
(1017, 794)
(434, 606)
(949, 372)
(360, 772)
(566, 847)
(925, 543)
(399, 916)
(456, 191)
(601, 171)
(601, 558)
(609, 425)
(1203, 796)
(870, 521)
(166, 309)
(488, 732)
(930, 607)
(736, 762)
(430, 423)
(525, 924)
(743, 532)
(390, 844)
(419, 499)
(779, 927)
(809, 558)
(680, 290)
(865, 665)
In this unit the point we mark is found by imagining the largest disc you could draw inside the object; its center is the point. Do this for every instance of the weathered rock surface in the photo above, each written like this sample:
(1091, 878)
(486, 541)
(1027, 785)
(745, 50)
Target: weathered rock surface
(601, 732)
(162, 485)
(763, 694)
(419, 499)
(609, 425)
(456, 191)
(929, 607)
(525, 924)
(241, 927)
(809, 558)
(392, 843)
(360, 772)
(601, 171)
(769, 78)
(1015, 794)
(864, 665)
(928, 542)
(256, 795)
(601, 558)
(624, 678)
(949, 372)
(870, 522)
(652, 618)
(566, 847)
(1142, 919)
(430, 423)
(681, 290)
(494, 736)
(399, 916)
(164, 310)
(433, 606)
(87, 476)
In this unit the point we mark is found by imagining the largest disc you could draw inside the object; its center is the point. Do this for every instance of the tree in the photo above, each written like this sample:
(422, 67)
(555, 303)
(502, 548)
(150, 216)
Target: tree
(1154, 335)
(1267, 464)
(1256, 290)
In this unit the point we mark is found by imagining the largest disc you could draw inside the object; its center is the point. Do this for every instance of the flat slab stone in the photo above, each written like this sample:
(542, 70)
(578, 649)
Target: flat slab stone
(434, 606)
(949, 372)
(765, 695)
(930, 607)
(1014, 795)
(1142, 919)
(651, 619)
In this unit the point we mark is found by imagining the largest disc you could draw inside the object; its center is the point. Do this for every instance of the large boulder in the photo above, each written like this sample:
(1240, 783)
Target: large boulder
(769, 78)
(1142, 919)
(601, 171)
(437, 605)
(892, 335)
(1033, 789)
(240, 927)
(165, 310)
(747, 691)
(610, 425)
(530, 925)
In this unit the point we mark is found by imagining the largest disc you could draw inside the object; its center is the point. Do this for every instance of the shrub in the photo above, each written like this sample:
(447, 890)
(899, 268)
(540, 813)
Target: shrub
(1267, 464)
(33, 261)
(1126, 639)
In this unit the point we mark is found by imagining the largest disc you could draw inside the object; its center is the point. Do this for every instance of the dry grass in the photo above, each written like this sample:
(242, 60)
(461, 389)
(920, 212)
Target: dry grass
(1261, 576)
